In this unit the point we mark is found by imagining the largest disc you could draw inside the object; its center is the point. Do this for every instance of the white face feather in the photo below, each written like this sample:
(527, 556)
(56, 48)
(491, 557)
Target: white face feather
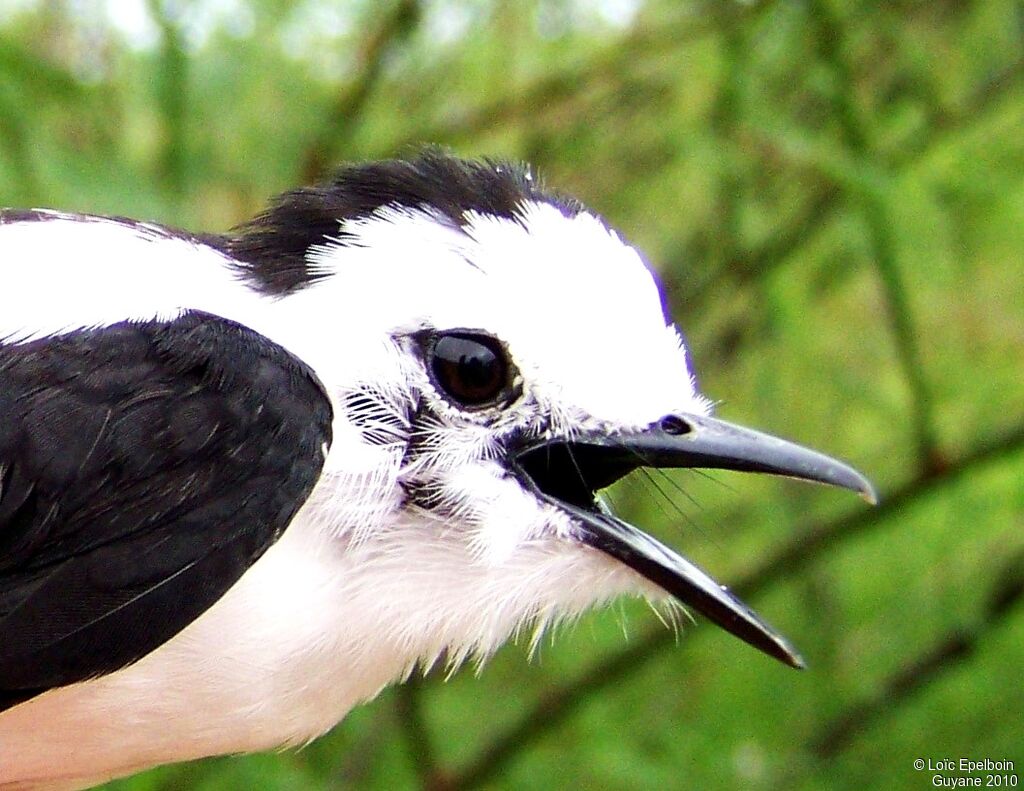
(577, 307)
(582, 320)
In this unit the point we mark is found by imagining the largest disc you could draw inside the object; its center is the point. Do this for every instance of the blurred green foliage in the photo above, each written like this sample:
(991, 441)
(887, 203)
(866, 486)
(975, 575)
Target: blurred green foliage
(833, 194)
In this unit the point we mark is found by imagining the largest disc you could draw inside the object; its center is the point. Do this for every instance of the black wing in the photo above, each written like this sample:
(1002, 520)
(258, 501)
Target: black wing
(143, 468)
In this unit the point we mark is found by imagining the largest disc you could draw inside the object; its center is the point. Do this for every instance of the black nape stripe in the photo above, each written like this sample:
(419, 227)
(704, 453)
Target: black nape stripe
(146, 230)
(271, 249)
(27, 215)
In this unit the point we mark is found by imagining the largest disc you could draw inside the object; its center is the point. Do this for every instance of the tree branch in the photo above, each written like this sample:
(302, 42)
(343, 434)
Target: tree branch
(409, 708)
(342, 120)
(929, 667)
(855, 135)
(172, 97)
(622, 56)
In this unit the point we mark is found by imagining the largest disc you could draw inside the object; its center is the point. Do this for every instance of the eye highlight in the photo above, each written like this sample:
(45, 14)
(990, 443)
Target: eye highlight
(471, 369)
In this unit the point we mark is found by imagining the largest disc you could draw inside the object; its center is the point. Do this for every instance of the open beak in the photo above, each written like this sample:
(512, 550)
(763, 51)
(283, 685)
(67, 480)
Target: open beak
(566, 474)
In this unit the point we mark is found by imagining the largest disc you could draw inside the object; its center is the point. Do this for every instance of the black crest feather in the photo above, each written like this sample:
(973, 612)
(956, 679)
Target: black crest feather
(271, 249)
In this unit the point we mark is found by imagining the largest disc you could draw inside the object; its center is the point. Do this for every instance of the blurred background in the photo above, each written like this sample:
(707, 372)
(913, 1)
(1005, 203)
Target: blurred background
(833, 195)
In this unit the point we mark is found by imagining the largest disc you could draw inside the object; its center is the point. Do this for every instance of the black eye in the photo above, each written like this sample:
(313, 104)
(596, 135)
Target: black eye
(472, 370)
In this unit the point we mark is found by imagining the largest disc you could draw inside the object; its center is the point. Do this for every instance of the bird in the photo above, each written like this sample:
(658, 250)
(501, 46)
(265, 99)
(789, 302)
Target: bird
(248, 480)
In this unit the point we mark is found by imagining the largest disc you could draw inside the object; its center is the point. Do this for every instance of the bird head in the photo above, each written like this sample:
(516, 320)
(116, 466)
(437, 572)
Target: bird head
(495, 357)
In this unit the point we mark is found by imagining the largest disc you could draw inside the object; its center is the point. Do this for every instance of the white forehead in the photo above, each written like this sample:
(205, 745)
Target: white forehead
(577, 306)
